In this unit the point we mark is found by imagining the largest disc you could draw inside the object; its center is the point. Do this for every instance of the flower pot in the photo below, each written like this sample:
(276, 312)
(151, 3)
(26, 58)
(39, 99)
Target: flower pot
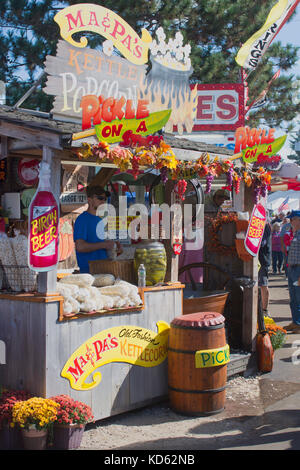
(265, 352)
(67, 436)
(34, 439)
(10, 438)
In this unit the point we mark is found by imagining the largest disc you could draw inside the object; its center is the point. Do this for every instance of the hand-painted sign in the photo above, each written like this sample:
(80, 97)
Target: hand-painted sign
(255, 229)
(257, 144)
(28, 171)
(112, 118)
(131, 344)
(77, 71)
(252, 51)
(88, 17)
(219, 107)
(212, 357)
(3, 169)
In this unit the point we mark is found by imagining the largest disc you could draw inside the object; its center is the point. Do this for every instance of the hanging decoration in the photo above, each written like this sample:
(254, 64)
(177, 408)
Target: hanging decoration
(161, 157)
(216, 226)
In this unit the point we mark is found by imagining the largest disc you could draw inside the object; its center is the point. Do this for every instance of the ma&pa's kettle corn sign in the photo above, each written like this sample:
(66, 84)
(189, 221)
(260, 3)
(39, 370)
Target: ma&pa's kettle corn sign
(130, 344)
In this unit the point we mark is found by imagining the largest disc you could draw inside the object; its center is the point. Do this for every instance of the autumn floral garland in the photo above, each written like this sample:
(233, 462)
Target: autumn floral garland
(216, 225)
(161, 157)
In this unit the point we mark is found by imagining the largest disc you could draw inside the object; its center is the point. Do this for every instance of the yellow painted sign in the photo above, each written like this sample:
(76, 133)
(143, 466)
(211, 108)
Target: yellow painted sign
(130, 344)
(212, 357)
(88, 17)
(252, 51)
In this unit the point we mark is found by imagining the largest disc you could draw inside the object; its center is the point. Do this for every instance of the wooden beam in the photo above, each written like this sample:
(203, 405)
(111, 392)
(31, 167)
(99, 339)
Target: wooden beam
(37, 136)
(102, 177)
(17, 145)
(3, 148)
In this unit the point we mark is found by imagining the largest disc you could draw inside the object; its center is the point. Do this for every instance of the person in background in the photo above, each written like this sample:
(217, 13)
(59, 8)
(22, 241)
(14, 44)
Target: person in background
(279, 218)
(277, 254)
(294, 274)
(89, 235)
(285, 227)
(214, 201)
(265, 258)
(287, 239)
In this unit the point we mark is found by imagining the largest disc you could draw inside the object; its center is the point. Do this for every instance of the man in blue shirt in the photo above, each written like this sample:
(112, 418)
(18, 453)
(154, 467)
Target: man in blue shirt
(89, 238)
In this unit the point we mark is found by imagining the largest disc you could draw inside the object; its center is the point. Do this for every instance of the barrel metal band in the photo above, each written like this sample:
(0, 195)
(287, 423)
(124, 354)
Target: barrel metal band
(212, 390)
(183, 351)
(211, 327)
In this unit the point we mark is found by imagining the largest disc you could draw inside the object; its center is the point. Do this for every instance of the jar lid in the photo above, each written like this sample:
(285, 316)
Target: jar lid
(199, 319)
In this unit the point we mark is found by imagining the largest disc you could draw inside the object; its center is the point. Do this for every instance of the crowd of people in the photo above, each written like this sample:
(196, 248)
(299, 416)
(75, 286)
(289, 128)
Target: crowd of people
(280, 252)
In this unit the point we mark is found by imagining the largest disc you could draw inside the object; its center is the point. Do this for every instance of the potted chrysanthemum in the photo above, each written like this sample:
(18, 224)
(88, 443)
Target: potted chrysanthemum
(10, 438)
(72, 416)
(34, 417)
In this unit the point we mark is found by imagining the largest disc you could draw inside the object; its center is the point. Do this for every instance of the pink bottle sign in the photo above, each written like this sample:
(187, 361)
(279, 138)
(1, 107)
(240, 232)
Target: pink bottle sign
(255, 229)
(43, 232)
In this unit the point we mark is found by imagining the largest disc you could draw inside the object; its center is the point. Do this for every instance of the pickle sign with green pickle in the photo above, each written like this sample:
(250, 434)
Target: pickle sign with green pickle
(113, 117)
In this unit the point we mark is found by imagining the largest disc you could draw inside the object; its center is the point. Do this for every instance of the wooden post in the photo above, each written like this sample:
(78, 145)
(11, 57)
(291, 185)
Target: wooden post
(250, 297)
(47, 280)
(172, 259)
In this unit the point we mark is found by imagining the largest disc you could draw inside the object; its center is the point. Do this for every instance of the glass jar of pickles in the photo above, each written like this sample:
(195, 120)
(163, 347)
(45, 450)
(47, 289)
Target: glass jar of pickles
(152, 255)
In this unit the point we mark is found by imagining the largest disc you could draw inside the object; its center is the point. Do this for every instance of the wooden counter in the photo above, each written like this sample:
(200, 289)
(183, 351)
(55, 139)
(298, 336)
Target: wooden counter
(38, 346)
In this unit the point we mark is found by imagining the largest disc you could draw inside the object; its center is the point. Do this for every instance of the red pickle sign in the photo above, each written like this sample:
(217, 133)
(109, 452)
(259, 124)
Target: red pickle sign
(257, 145)
(112, 117)
(255, 229)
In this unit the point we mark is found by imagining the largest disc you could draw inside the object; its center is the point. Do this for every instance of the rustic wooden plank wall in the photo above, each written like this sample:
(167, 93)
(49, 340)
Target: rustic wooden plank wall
(38, 346)
(23, 330)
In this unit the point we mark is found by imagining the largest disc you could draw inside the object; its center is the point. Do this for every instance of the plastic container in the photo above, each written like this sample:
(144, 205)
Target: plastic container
(142, 276)
(43, 225)
(152, 255)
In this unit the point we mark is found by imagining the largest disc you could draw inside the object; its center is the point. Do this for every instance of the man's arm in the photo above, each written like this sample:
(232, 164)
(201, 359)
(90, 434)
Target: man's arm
(84, 247)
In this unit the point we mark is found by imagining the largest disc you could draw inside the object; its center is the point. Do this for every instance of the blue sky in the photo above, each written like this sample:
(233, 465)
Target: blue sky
(290, 34)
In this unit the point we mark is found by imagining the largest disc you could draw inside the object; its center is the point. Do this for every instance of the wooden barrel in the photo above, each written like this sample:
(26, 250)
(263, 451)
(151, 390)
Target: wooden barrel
(197, 363)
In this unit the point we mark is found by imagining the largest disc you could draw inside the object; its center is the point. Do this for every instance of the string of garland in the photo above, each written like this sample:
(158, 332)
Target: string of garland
(216, 225)
(161, 157)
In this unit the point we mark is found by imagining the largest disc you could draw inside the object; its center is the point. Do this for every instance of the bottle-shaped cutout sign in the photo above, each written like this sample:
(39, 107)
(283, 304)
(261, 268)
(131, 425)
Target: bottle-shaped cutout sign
(43, 253)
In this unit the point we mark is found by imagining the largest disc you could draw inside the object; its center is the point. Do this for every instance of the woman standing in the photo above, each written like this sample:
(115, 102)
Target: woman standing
(277, 255)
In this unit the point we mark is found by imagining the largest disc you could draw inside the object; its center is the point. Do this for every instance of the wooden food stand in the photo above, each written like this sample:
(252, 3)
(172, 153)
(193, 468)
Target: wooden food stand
(113, 360)
(39, 339)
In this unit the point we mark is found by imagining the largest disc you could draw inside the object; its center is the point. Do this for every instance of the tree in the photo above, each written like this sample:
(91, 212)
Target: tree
(295, 145)
(215, 29)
